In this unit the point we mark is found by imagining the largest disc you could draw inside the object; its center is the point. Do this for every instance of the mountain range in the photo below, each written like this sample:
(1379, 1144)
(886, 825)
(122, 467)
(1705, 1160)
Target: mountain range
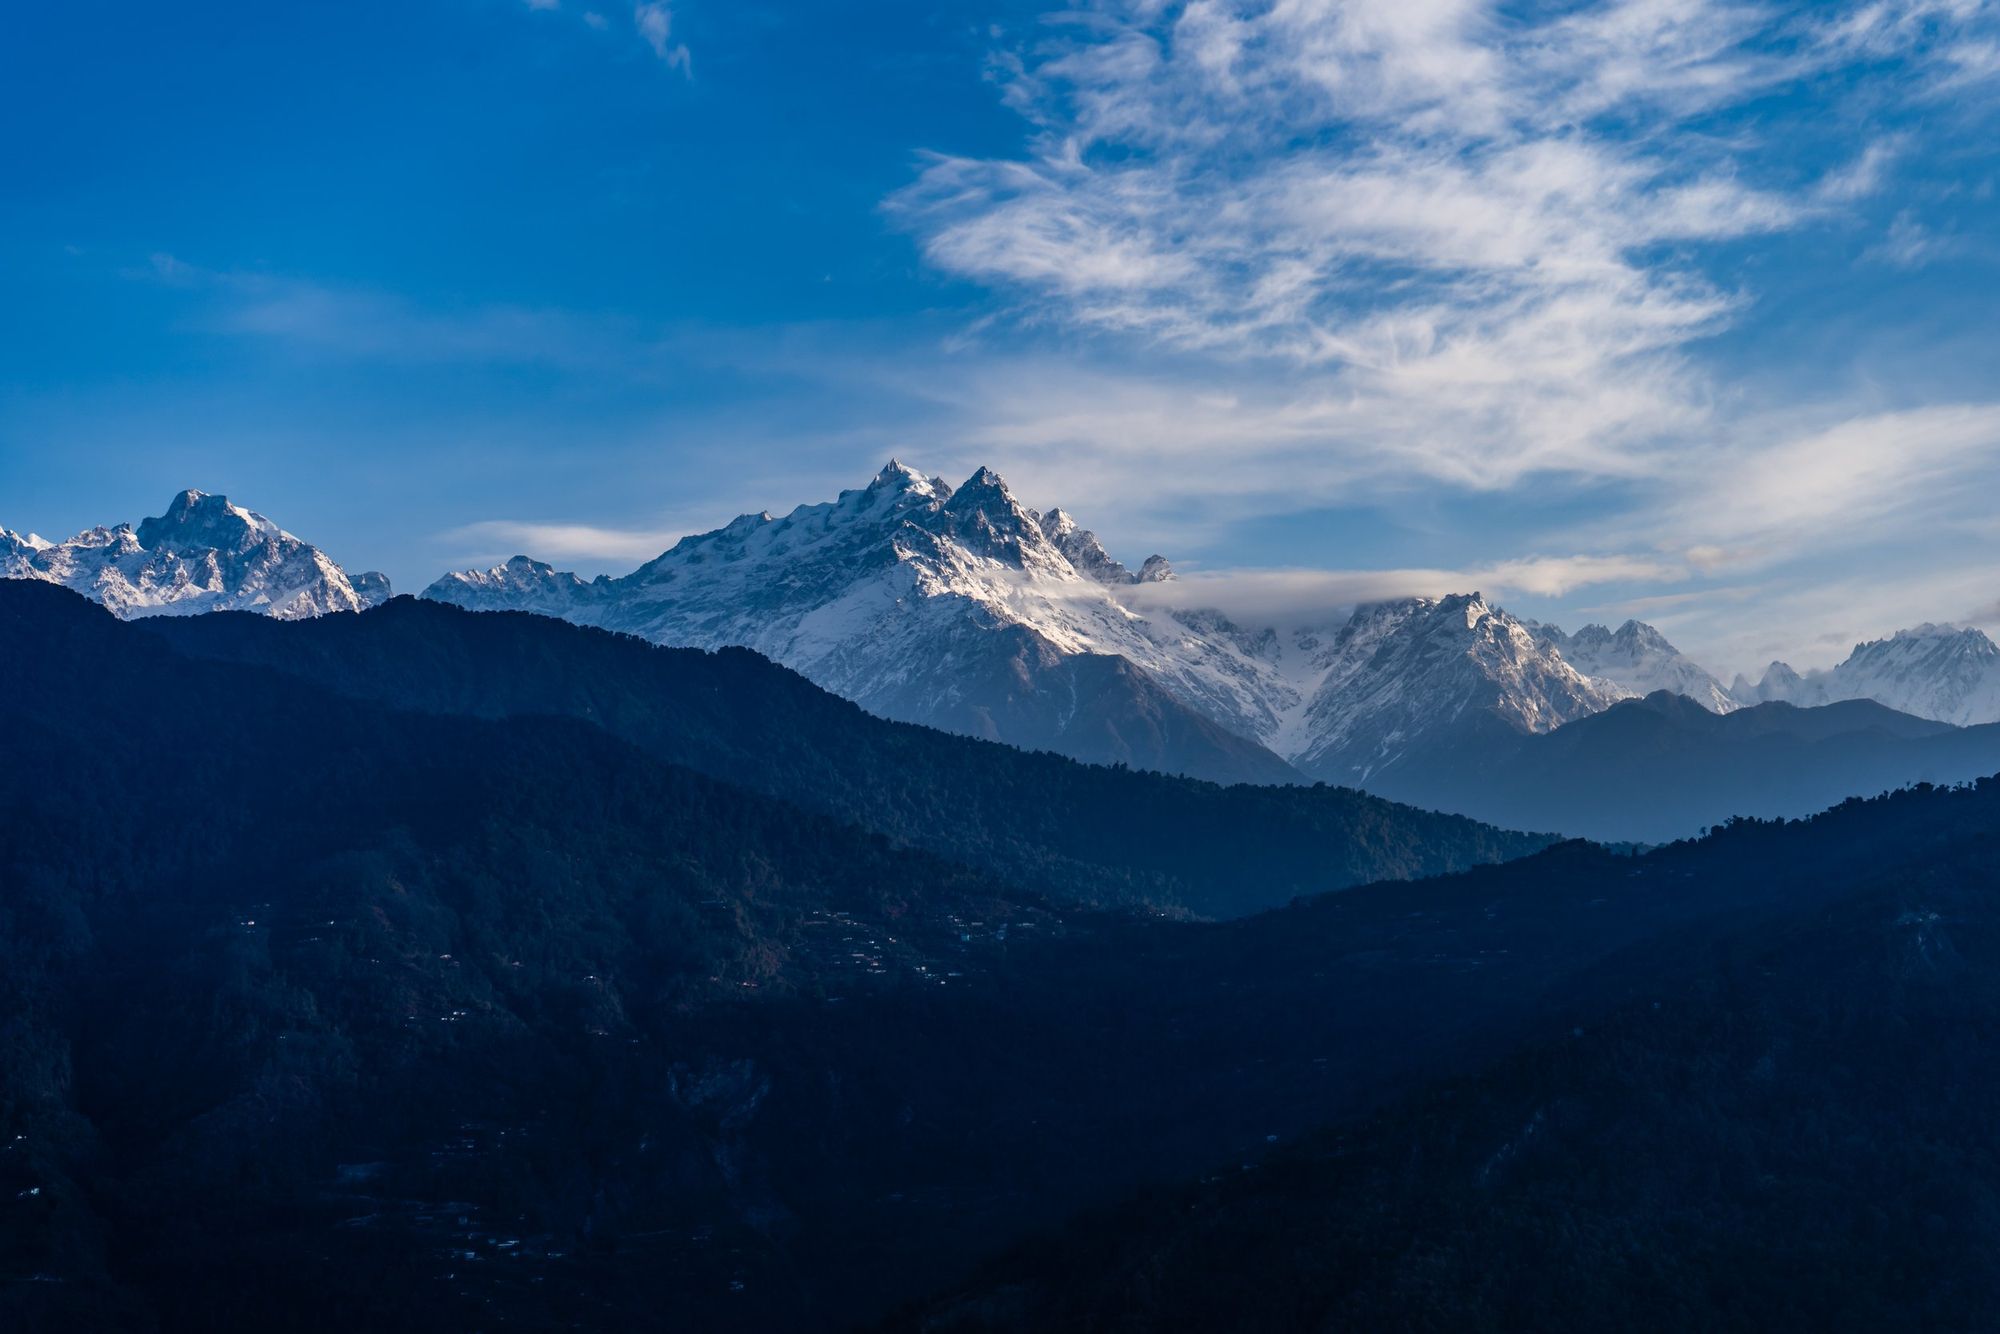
(1946, 672)
(961, 609)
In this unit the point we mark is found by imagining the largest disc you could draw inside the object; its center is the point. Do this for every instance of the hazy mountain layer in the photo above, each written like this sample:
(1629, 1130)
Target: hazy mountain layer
(1660, 768)
(1946, 672)
(1783, 1126)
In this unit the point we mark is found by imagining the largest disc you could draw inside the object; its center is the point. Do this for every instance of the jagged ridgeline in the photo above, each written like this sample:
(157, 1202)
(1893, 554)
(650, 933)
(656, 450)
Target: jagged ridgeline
(963, 609)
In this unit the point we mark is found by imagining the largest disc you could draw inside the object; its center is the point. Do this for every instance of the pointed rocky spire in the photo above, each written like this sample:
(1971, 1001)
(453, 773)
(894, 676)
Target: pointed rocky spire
(985, 492)
(899, 478)
(1083, 551)
(986, 519)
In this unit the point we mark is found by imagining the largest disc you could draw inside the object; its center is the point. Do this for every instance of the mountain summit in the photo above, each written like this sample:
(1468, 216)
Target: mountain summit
(202, 554)
(1407, 677)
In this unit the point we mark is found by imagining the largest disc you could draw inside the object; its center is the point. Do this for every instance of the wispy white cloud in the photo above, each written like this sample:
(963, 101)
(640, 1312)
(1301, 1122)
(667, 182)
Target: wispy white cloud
(1372, 246)
(372, 324)
(1954, 37)
(362, 323)
(652, 20)
(655, 21)
(1476, 231)
(1883, 475)
(1909, 244)
(1280, 596)
(497, 539)
(1865, 176)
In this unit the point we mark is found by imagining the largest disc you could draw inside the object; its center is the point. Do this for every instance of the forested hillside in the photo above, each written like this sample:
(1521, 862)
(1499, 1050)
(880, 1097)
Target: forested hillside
(1786, 1126)
(321, 1014)
(1085, 834)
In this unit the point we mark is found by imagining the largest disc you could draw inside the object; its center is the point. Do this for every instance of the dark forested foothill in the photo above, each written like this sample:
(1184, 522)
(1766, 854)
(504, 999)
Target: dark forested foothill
(1085, 834)
(1788, 1127)
(348, 983)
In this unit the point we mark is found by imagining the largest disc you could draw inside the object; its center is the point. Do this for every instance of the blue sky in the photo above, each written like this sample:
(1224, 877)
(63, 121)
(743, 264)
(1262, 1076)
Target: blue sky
(1676, 308)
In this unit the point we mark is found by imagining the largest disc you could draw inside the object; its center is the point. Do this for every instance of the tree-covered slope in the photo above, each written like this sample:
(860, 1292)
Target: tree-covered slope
(320, 1014)
(1784, 1124)
(251, 931)
(1084, 833)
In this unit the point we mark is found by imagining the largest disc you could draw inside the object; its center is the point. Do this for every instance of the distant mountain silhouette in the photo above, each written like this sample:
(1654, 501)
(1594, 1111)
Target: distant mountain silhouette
(1663, 767)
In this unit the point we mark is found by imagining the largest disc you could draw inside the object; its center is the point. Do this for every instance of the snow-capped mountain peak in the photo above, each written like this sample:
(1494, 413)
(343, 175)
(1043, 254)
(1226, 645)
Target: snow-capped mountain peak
(1399, 670)
(1948, 673)
(201, 554)
(196, 521)
(897, 475)
(1082, 550)
(520, 584)
(1639, 659)
(986, 520)
(950, 606)
(1779, 682)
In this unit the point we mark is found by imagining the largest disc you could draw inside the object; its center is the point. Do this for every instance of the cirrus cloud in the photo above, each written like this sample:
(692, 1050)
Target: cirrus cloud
(1483, 229)
(1282, 596)
(497, 539)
